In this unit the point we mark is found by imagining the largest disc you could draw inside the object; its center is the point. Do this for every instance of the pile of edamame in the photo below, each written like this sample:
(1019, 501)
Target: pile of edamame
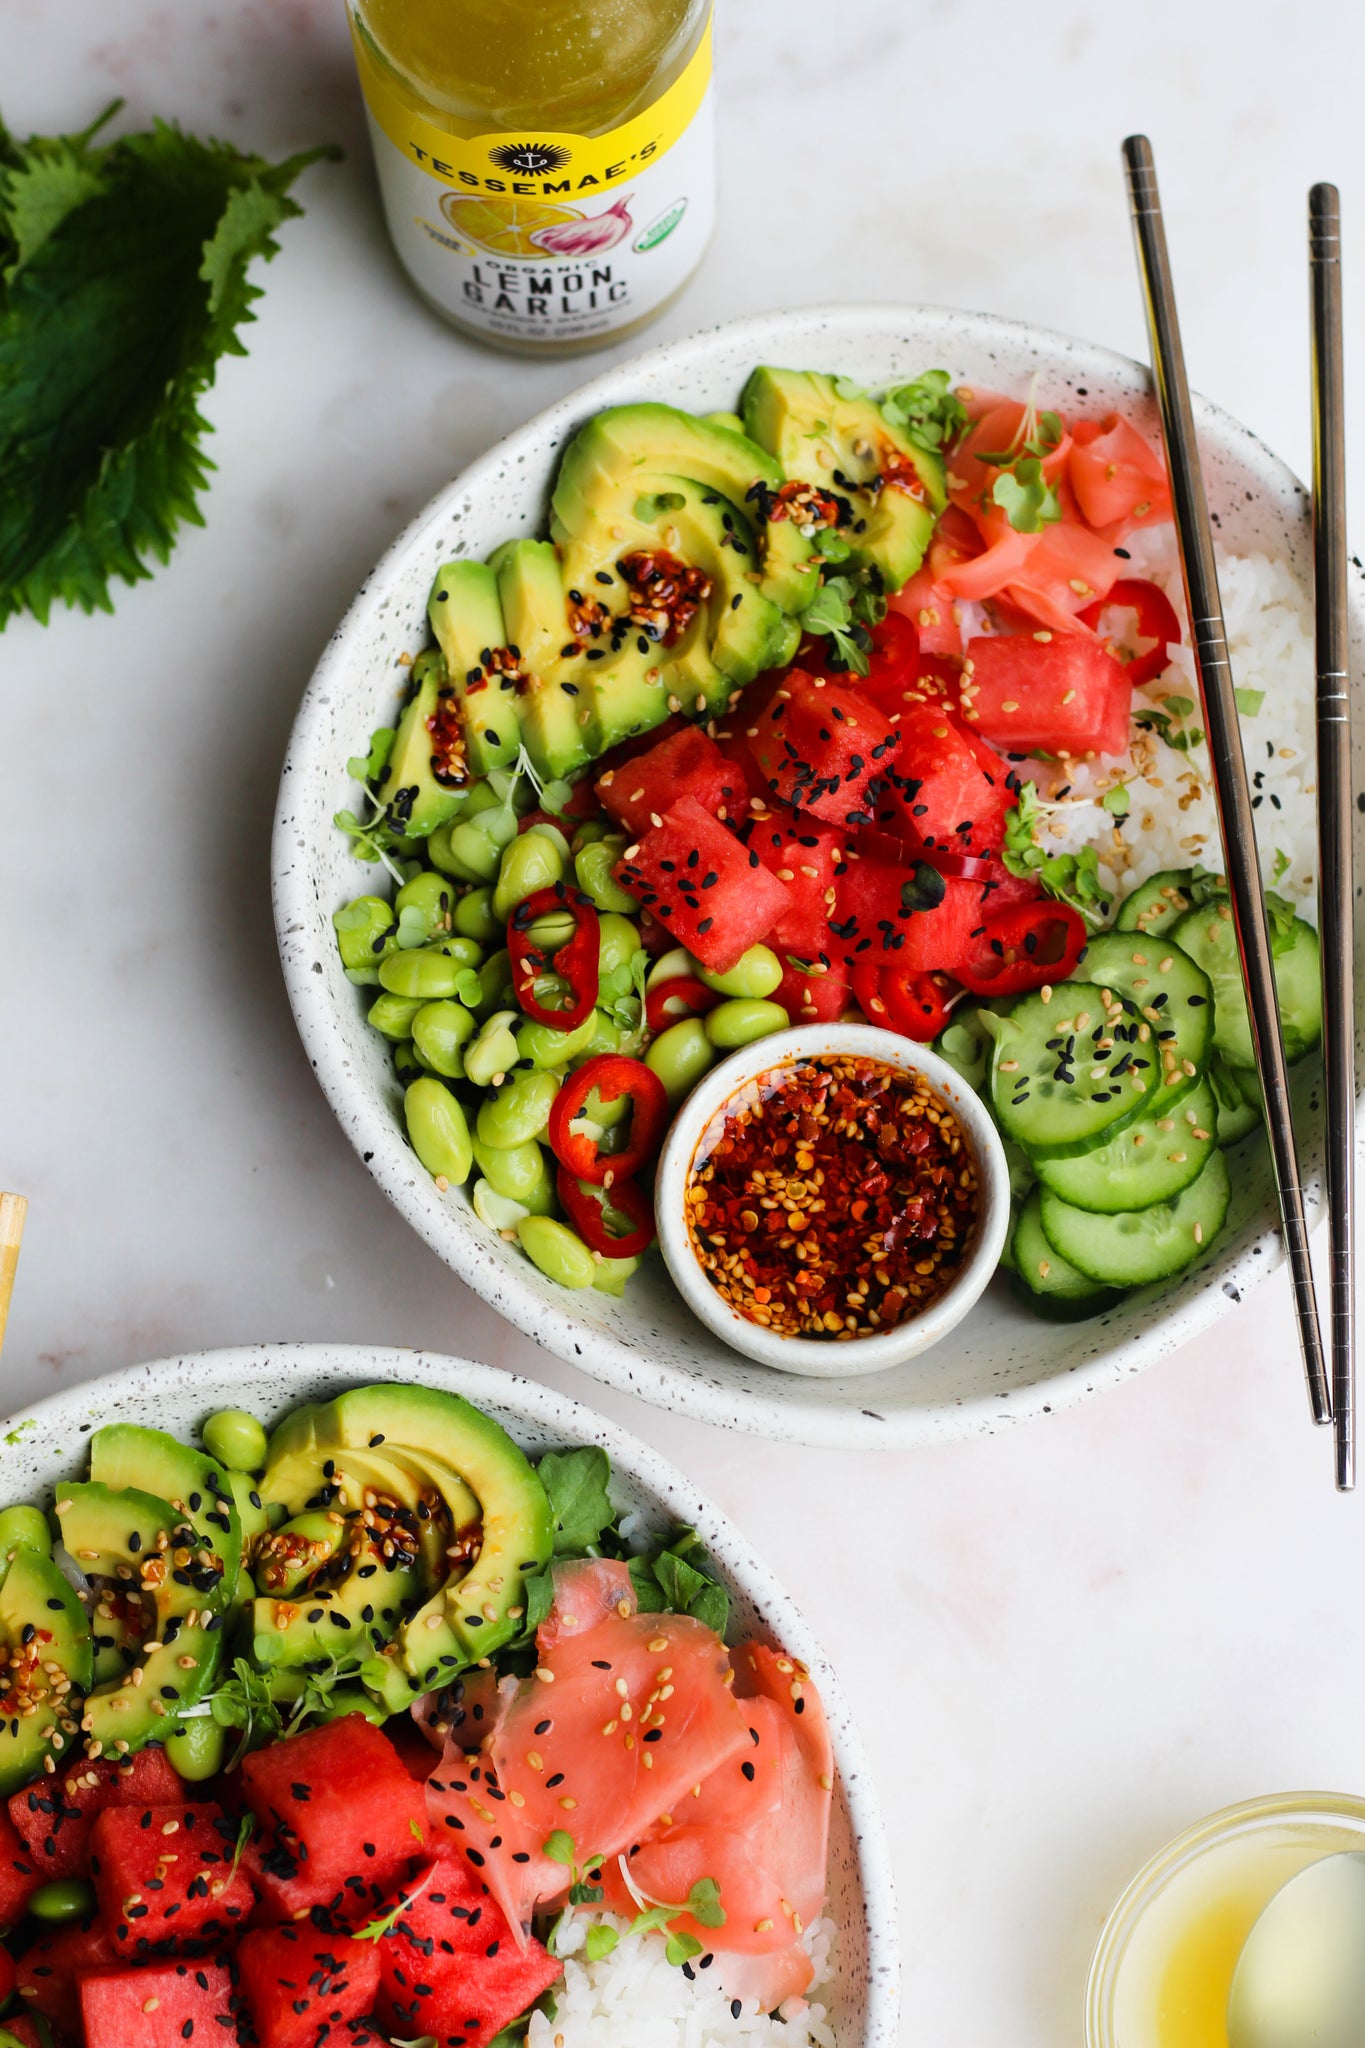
(479, 1076)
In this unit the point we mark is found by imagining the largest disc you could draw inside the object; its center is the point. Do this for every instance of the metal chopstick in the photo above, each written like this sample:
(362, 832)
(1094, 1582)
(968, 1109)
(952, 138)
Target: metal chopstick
(1224, 742)
(1336, 889)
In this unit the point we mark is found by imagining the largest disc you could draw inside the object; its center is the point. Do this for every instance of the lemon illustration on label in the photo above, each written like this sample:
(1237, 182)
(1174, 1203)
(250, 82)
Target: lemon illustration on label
(507, 227)
(661, 227)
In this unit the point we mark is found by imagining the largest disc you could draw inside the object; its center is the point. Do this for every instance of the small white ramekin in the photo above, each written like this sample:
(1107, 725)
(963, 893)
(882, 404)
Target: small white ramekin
(807, 1355)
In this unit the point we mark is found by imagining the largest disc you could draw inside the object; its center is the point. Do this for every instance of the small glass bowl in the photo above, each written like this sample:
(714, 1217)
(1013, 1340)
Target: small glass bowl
(1336, 1817)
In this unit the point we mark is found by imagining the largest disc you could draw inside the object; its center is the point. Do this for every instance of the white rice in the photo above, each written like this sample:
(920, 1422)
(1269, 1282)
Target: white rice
(1172, 821)
(636, 1998)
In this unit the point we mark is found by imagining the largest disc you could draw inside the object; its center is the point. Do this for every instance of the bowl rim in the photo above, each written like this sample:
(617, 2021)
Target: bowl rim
(608, 1357)
(803, 1355)
(265, 1372)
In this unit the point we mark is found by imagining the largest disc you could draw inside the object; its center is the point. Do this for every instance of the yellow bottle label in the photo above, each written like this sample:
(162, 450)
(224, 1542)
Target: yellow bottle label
(538, 235)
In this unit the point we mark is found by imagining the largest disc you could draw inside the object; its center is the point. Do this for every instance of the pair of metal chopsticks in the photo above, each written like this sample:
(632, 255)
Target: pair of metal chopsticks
(1334, 1403)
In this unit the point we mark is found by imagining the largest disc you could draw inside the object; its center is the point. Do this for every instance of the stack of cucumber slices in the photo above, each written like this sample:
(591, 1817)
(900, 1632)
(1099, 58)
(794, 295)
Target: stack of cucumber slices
(1119, 1091)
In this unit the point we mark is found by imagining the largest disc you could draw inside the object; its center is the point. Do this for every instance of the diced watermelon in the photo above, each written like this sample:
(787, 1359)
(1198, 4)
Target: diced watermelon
(415, 1753)
(638, 743)
(688, 763)
(49, 1973)
(452, 1967)
(308, 1989)
(804, 855)
(161, 2005)
(55, 1815)
(714, 895)
(164, 1878)
(1066, 695)
(563, 1757)
(920, 916)
(18, 1874)
(821, 747)
(815, 998)
(947, 789)
(340, 1818)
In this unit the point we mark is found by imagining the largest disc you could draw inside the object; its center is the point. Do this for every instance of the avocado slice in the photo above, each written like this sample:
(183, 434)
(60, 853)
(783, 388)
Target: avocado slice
(843, 445)
(427, 774)
(48, 1664)
(143, 1547)
(430, 1432)
(465, 611)
(126, 1455)
(336, 1586)
(554, 701)
(628, 441)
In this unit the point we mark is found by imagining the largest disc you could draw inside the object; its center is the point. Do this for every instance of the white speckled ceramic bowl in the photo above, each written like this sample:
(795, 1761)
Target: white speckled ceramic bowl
(1002, 1365)
(47, 1444)
(806, 1355)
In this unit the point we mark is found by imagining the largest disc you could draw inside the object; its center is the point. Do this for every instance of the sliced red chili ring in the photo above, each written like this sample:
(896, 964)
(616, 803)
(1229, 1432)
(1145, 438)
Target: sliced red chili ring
(588, 1215)
(902, 999)
(576, 962)
(1156, 620)
(694, 996)
(609, 1076)
(886, 847)
(1022, 948)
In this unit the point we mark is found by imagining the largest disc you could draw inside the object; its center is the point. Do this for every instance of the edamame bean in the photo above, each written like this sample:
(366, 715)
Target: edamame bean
(742, 1020)
(363, 928)
(755, 973)
(436, 1125)
(428, 972)
(197, 1748)
(618, 941)
(544, 1046)
(474, 917)
(494, 1052)
(520, 1173)
(499, 1212)
(408, 1063)
(674, 966)
(606, 1037)
(441, 855)
(66, 1898)
(680, 1056)
(495, 979)
(428, 896)
(24, 1528)
(592, 866)
(393, 1014)
(479, 842)
(530, 863)
(519, 1110)
(480, 796)
(236, 1439)
(352, 1699)
(439, 1032)
(590, 831)
(559, 1252)
(611, 1275)
(553, 834)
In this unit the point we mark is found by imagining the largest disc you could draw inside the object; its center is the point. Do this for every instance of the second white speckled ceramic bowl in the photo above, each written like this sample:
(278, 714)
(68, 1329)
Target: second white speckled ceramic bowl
(1003, 1364)
(806, 1355)
(47, 1444)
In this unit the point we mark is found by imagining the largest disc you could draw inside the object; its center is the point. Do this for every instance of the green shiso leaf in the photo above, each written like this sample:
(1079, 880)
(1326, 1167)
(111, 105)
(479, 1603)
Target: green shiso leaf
(123, 279)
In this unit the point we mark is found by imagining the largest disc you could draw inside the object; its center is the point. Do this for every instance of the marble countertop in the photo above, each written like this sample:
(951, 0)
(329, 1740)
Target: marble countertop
(1064, 1643)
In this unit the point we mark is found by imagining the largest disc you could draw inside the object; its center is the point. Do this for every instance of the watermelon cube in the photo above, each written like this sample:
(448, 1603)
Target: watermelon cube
(915, 914)
(339, 1818)
(1066, 695)
(688, 763)
(49, 1973)
(55, 1815)
(948, 789)
(451, 1966)
(805, 856)
(714, 895)
(18, 1874)
(815, 998)
(824, 748)
(161, 2005)
(165, 1880)
(307, 1988)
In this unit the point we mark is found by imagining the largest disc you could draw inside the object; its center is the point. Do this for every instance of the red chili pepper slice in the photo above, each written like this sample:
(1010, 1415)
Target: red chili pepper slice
(902, 999)
(1023, 948)
(588, 1215)
(903, 853)
(610, 1075)
(1156, 620)
(575, 962)
(696, 998)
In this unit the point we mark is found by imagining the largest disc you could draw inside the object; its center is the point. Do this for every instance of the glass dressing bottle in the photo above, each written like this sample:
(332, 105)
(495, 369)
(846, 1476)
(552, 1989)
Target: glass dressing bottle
(547, 167)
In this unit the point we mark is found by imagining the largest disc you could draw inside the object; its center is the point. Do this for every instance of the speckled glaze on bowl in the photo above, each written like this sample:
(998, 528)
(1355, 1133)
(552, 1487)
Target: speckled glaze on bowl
(1002, 1365)
(47, 1444)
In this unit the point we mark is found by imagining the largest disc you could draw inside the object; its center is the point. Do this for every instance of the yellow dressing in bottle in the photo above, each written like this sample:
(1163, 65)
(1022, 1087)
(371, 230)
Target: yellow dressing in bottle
(547, 166)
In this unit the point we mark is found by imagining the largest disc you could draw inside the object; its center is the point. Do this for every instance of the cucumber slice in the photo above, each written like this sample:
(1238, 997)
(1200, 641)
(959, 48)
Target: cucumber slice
(1050, 1084)
(1208, 936)
(1050, 1282)
(1138, 1246)
(1156, 904)
(1237, 1094)
(1149, 1162)
(1173, 996)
